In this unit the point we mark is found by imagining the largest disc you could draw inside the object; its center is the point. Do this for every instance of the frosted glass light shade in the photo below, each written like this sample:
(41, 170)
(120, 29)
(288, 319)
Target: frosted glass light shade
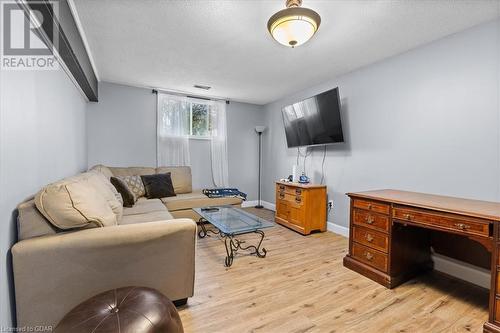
(260, 129)
(293, 26)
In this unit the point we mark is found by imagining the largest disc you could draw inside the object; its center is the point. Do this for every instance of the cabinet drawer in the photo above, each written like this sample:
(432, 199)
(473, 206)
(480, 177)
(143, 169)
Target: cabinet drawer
(443, 221)
(293, 199)
(372, 206)
(371, 238)
(282, 210)
(371, 220)
(369, 256)
(288, 189)
(497, 309)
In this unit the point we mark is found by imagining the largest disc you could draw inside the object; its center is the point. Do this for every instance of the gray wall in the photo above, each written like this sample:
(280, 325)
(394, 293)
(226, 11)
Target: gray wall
(122, 132)
(426, 120)
(42, 139)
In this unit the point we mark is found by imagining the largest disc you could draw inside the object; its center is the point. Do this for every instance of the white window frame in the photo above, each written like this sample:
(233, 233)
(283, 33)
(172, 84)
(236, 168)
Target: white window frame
(198, 137)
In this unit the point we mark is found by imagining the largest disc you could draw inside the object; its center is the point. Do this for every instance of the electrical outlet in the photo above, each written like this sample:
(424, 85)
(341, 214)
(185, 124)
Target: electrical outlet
(330, 204)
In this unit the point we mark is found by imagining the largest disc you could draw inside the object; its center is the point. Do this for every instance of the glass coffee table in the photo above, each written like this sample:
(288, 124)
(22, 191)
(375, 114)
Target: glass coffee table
(231, 222)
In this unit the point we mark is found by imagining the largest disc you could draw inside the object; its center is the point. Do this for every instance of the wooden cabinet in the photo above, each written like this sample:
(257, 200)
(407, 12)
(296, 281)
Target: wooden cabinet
(301, 207)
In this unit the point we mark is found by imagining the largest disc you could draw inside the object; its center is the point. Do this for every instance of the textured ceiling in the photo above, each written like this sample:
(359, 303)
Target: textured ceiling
(225, 44)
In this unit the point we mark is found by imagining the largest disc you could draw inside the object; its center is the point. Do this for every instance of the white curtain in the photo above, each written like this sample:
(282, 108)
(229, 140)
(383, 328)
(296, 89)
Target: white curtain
(173, 130)
(218, 144)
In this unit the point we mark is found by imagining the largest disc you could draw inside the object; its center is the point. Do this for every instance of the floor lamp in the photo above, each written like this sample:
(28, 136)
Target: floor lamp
(260, 130)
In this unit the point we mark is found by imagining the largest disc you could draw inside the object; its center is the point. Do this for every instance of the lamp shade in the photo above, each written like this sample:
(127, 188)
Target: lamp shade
(260, 129)
(293, 26)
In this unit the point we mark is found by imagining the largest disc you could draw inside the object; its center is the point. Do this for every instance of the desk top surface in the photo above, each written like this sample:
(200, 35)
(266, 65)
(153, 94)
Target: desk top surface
(475, 208)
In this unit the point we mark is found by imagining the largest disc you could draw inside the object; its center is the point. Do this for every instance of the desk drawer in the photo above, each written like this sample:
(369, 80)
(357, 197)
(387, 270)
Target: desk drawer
(443, 221)
(369, 256)
(372, 206)
(371, 220)
(371, 238)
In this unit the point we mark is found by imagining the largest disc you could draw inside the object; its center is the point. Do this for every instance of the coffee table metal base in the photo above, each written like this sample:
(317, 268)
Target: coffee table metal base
(233, 244)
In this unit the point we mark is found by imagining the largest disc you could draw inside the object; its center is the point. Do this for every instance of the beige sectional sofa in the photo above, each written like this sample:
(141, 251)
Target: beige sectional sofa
(180, 206)
(150, 244)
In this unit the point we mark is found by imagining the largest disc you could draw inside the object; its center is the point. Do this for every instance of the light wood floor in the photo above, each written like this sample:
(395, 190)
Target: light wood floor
(301, 286)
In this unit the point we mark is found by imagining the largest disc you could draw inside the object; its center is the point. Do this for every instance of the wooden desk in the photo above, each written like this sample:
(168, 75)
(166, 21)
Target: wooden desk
(389, 236)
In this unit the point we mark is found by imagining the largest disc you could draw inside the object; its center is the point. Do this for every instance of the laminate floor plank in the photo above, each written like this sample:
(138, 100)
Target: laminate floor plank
(301, 286)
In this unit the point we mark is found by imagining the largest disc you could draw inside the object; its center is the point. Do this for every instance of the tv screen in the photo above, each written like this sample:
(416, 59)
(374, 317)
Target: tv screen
(314, 121)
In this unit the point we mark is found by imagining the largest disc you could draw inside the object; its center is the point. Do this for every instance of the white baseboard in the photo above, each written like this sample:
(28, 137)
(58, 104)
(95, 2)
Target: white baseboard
(461, 270)
(253, 203)
(337, 229)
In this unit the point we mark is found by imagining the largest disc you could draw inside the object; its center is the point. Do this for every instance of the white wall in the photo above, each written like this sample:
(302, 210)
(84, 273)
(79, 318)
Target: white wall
(42, 139)
(426, 120)
(122, 132)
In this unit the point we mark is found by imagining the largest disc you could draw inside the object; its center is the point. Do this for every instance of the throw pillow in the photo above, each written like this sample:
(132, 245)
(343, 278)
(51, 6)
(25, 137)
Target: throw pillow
(135, 185)
(74, 203)
(158, 186)
(128, 196)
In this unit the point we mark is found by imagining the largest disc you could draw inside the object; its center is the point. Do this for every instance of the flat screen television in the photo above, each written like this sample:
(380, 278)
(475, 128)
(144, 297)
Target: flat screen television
(314, 121)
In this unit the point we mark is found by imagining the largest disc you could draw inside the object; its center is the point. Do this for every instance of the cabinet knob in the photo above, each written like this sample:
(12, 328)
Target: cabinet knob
(368, 256)
(369, 238)
(462, 226)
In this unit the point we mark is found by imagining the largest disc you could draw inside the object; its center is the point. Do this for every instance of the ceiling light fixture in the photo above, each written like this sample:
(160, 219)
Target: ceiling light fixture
(294, 25)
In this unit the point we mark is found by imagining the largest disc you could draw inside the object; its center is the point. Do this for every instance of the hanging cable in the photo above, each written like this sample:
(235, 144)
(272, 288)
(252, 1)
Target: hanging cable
(305, 158)
(323, 166)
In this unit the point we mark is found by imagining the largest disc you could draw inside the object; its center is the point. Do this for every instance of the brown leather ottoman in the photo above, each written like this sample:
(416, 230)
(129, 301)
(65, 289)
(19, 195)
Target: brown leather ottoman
(123, 310)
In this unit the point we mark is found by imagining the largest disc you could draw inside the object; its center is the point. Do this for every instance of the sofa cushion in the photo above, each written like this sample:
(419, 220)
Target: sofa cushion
(102, 169)
(181, 178)
(107, 190)
(158, 186)
(160, 215)
(196, 199)
(74, 203)
(144, 205)
(122, 188)
(31, 223)
(135, 185)
(132, 171)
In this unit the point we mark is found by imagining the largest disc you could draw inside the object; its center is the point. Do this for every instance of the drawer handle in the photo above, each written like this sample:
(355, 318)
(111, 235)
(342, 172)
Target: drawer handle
(368, 256)
(298, 191)
(282, 188)
(298, 199)
(370, 206)
(369, 238)
(370, 219)
(462, 226)
(282, 196)
(408, 216)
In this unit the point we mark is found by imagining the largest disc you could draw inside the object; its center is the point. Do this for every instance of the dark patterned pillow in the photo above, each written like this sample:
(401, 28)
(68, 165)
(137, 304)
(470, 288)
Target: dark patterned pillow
(158, 186)
(135, 184)
(128, 196)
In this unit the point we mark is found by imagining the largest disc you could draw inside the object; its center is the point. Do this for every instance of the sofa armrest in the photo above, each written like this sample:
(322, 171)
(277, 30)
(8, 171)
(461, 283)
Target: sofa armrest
(52, 274)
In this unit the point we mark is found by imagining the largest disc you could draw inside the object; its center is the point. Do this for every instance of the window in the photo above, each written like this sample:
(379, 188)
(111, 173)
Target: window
(181, 116)
(199, 120)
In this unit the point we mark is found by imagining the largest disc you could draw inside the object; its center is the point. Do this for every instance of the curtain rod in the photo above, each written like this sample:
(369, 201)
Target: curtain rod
(185, 94)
